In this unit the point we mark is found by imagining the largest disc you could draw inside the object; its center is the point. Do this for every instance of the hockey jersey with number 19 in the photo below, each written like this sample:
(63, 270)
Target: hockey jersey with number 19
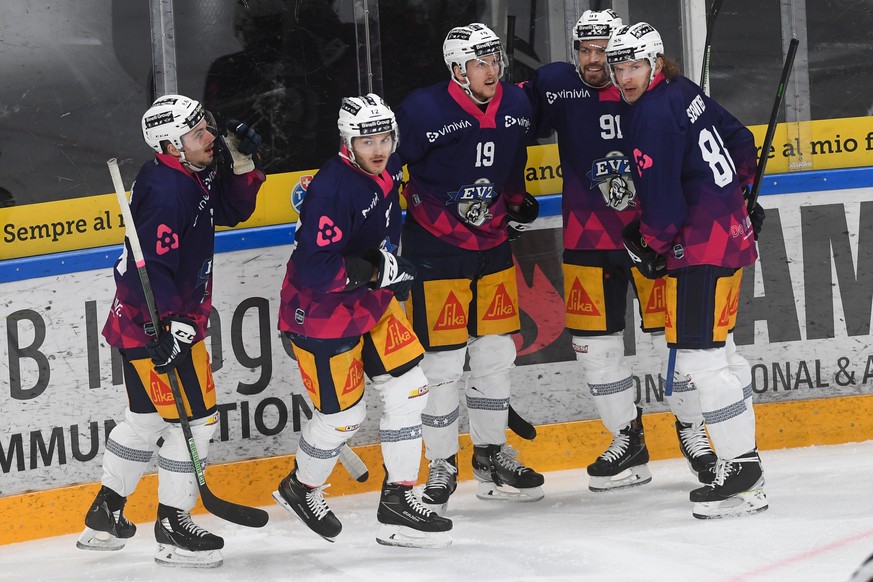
(456, 154)
(598, 196)
(691, 159)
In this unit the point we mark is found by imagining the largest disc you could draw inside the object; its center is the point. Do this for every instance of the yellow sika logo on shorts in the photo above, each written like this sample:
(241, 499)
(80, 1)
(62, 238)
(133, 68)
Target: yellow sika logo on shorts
(501, 307)
(398, 336)
(451, 316)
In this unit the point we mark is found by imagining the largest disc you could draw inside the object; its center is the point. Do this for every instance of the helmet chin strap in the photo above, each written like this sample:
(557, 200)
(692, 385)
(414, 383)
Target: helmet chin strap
(466, 88)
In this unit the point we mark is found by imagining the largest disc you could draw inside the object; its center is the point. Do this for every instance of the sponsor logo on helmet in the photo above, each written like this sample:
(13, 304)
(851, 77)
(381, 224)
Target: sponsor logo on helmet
(459, 34)
(593, 30)
(621, 55)
(641, 30)
(196, 116)
(375, 126)
(159, 119)
(487, 48)
(350, 106)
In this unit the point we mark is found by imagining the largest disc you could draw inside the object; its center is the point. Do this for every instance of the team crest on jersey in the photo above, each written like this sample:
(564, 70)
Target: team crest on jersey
(473, 200)
(299, 191)
(612, 175)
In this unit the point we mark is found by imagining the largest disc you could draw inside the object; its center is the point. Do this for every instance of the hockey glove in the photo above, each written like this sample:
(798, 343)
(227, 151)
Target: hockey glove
(521, 221)
(173, 344)
(652, 265)
(392, 272)
(238, 147)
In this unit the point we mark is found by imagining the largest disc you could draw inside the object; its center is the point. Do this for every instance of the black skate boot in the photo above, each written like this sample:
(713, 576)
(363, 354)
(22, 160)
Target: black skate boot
(737, 489)
(183, 543)
(697, 450)
(106, 527)
(495, 466)
(309, 505)
(407, 523)
(623, 464)
(442, 480)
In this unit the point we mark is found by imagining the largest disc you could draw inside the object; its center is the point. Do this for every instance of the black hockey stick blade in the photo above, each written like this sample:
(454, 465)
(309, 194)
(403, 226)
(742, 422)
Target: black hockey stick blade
(520, 426)
(232, 512)
(353, 464)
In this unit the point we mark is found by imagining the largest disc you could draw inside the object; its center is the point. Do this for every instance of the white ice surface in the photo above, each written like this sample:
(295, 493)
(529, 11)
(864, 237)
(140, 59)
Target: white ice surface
(819, 528)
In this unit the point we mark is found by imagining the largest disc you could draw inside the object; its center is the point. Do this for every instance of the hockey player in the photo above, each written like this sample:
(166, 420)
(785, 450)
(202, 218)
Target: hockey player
(580, 102)
(339, 307)
(464, 141)
(691, 159)
(178, 198)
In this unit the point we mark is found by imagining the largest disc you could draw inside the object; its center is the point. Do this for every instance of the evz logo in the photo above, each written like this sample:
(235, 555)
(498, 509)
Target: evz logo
(472, 201)
(612, 175)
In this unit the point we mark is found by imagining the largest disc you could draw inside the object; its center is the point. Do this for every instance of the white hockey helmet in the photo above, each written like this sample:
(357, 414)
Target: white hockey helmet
(633, 43)
(169, 118)
(465, 43)
(595, 25)
(365, 115)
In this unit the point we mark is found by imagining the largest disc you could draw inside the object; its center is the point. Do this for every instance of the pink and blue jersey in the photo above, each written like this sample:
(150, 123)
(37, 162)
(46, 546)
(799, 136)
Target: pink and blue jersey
(344, 213)
(691, 159)
(175, 214)
(457, 155)
(598, 196)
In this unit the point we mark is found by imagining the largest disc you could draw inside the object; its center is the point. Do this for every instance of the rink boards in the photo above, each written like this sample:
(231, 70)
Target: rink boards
(804, 325)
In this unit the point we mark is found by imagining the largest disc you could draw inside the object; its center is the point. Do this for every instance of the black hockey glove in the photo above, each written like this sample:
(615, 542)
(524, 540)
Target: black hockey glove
(392, 272)
(652, 265)
(756, 214)
(173, 344)
(239, 148)
(520, 221)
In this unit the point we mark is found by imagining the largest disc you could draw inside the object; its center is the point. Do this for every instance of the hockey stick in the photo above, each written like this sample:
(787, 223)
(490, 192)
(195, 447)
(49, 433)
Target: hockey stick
(353, 464)
(232, 512)
(671, 369)
(771, 125)
(707, 44)
(520, 426)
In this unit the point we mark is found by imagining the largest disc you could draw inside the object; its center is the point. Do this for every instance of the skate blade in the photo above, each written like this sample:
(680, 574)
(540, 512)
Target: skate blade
(489, 491)
(99, 541)
(745, 503)
(633, 477)
(406, 537)
(172, 556)
(284, 504)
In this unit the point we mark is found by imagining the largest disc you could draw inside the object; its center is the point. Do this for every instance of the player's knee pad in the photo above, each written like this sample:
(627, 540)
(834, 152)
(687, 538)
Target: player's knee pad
(602, 358)
(403, 397)
(329, 431)
(444, 367)
(129, 449)
(490, 355)
(738, 364)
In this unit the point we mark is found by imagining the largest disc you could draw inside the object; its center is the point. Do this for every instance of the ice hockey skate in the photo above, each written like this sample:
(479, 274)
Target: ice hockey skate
(442, 480)
(106, 527)
(407, 523)
(308, 504)
(502, 477)
(624, 463)
(697, 450)
(184, 544)
(736, 491)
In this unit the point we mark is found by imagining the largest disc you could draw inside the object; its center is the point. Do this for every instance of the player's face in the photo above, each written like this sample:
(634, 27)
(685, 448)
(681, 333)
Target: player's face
(484, 75)
(632, 78)
(592, 62)
(199, 145)
(372, 151)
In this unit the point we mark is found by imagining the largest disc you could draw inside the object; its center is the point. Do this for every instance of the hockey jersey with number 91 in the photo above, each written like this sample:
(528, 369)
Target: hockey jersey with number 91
(690, 160)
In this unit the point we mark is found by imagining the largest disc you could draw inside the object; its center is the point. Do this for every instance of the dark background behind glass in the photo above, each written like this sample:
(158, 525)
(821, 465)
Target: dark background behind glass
(77, 76)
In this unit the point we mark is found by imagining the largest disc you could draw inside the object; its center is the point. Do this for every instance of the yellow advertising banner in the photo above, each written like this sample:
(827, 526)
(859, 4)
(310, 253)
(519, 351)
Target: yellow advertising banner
(80, 223)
